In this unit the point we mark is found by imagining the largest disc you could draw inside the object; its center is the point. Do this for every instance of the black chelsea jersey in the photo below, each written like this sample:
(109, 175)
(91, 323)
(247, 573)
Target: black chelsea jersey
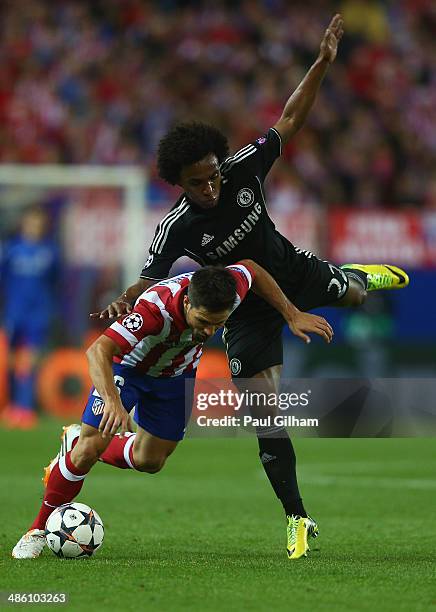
(238, 227)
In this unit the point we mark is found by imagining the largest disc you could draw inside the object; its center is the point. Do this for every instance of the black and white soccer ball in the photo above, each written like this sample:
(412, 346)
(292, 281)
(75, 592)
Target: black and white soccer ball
(74, 530)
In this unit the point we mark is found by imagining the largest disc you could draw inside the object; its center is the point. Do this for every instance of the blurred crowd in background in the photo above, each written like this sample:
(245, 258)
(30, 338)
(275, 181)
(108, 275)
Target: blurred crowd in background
(101, 81)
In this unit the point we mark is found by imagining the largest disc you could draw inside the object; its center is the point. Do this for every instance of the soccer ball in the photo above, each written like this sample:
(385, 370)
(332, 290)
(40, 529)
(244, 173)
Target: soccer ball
(74, 530)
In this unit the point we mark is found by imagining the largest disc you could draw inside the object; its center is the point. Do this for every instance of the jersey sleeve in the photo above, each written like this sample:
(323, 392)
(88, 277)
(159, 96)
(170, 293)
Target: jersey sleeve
(158, 266)
(256, 157)
(167, 245)
(244, 277)
(144, 320)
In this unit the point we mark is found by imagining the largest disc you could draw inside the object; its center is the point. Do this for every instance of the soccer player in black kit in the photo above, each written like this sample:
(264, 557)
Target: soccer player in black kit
(220, 218)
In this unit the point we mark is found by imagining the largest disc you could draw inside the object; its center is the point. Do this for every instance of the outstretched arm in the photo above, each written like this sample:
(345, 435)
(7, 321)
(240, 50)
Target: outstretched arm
(299, 104)
(300, 323)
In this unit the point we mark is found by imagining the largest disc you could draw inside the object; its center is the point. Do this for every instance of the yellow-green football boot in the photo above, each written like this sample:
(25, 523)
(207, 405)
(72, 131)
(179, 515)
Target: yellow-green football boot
(298, 529)
(381, 276)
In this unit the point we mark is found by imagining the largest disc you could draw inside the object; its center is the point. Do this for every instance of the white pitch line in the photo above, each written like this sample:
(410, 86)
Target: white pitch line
(342, 466)
(368, 481)
(357, 480)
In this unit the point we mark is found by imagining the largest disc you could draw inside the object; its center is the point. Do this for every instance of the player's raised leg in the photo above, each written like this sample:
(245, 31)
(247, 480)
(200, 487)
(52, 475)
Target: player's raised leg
(347, 285)
(363, 278)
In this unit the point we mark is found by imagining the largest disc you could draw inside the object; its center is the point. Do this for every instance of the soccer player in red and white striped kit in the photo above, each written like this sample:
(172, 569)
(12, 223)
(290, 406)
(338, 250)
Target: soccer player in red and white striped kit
(143, 360)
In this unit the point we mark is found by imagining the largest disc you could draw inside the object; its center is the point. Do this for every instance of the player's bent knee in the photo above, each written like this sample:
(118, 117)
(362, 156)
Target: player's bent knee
(355, 296)
(149, 464)
(363, 296)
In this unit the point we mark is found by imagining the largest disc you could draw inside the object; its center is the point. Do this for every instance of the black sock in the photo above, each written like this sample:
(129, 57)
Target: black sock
(357, 275)
(279, 462)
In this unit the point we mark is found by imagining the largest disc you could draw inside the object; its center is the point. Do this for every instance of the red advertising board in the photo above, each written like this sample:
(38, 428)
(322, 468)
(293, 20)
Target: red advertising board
(402, 237)
(428, 220)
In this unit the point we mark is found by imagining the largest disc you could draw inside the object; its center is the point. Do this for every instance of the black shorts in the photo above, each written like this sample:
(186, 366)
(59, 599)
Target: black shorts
(253, 335)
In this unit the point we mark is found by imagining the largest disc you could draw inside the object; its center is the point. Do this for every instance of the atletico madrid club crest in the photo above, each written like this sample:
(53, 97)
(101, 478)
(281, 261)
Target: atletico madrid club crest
(97, 406)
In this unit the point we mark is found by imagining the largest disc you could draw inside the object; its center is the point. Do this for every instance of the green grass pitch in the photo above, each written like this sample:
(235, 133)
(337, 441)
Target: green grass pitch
(207, 533)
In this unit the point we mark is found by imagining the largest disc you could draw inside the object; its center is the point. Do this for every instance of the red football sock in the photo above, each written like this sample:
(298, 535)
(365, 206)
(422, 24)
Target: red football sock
(120, 451)
(63, 485)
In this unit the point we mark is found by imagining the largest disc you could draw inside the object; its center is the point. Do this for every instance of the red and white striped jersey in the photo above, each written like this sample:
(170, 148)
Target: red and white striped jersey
(155, 338)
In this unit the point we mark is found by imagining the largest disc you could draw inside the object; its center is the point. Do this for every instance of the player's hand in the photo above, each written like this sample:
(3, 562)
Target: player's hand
(303, 322)
(114, 418)
(332, 36)
(116, 309)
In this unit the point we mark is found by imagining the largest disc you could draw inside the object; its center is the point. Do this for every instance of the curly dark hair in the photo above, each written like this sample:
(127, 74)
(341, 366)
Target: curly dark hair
(188, 143)
(212, 288)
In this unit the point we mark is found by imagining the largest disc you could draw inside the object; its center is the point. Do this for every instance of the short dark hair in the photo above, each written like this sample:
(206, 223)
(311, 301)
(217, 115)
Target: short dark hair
(212, 288)
(186, 144)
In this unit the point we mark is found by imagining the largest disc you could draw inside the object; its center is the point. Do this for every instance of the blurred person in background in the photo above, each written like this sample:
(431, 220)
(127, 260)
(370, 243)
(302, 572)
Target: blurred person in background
(29, 273)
